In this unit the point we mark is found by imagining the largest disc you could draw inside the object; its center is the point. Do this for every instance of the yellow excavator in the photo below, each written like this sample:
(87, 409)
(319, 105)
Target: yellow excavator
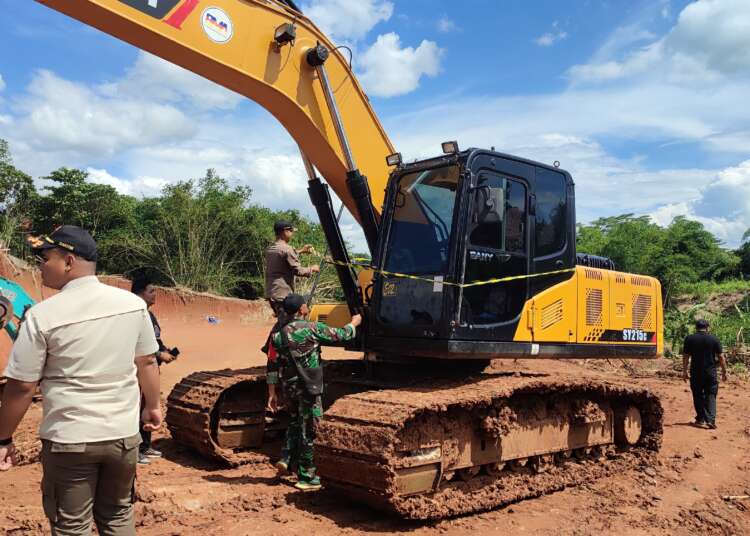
(473, 259)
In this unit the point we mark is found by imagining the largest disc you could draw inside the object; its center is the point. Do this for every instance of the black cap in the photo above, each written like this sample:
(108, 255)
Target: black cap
(69, 238)
(292, 303)
(701, 323)
(282, 226)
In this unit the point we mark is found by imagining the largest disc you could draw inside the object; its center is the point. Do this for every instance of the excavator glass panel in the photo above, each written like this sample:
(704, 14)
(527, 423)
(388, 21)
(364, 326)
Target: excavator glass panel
(420, 230)
(496, 249)
(419, 244)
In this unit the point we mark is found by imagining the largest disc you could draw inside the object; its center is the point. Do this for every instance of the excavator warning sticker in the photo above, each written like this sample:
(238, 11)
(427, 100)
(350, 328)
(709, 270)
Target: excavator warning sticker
(159, 9)
(217, 25)
(156, 8)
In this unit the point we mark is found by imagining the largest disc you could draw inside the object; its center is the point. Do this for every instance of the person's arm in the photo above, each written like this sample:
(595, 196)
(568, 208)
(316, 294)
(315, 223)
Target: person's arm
(723, 365)
(685, 358)
(148, 373)
(327, 334)
(25, 365)
(685, 364)
(300, 271)
(272, 374)
(148, 380)
(307, 248)
(722, 362)
(17, 398)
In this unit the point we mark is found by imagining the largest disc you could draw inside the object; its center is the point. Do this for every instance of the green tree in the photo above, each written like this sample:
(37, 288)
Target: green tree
(17, 197)
(690, 253)
(679, 255)
(744, 254)
(192, 236)
(72, 200)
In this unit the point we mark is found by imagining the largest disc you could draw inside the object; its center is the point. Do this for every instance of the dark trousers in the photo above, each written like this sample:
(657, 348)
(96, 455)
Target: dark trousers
(704, 385)
(90, 479)
(278, 310)
(145, 434)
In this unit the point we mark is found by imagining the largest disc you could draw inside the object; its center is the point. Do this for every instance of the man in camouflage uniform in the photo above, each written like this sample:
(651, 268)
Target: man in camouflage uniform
(282, 265)
(298, 368)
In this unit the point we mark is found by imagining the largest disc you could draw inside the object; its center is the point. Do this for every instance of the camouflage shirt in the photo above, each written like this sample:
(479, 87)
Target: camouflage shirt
(304, 339)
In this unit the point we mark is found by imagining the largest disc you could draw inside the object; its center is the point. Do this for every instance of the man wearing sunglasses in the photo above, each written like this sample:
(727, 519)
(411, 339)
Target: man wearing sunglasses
(89, 347)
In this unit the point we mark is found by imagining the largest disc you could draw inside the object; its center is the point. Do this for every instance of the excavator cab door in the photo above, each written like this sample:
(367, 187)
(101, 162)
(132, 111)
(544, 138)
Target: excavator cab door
(496, 250)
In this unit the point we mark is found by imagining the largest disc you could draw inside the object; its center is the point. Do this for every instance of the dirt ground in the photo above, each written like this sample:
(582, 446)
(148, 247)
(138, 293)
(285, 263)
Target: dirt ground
(182, 494)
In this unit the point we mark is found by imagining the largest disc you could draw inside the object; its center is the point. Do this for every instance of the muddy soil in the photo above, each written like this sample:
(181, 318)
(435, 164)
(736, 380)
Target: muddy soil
(679, 492)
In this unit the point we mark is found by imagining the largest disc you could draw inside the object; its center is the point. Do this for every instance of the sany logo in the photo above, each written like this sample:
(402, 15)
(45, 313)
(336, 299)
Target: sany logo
(482, 256)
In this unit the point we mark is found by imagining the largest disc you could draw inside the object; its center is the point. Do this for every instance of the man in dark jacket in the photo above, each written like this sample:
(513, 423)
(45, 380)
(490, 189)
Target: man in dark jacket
(298, 368)
(702, 351)
(144, 289)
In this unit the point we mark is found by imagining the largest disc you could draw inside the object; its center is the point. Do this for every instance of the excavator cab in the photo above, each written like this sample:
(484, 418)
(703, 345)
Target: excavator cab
(451, 228)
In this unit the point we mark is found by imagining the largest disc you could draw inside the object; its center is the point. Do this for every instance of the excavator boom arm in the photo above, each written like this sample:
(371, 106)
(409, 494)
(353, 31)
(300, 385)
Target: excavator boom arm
(231, 42)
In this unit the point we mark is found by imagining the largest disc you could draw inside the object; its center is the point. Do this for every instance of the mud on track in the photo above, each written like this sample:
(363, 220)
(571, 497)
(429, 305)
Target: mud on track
(363, 436)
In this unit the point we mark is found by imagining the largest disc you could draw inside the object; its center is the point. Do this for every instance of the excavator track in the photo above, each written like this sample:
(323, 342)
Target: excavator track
(448, 448)
(220, 414)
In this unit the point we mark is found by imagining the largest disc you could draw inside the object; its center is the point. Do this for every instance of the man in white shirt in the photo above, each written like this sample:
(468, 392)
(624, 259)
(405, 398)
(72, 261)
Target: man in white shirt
(89, 347)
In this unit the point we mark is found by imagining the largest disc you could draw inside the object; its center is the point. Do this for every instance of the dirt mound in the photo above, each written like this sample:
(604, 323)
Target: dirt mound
(716, 304)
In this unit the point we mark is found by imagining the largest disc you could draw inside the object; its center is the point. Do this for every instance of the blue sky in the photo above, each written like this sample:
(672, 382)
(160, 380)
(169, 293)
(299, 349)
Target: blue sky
(645, 102)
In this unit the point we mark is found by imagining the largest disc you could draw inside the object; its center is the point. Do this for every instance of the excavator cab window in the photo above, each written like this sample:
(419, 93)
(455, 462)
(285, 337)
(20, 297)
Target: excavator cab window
(420, 232)
(419, 243)
(496, 248)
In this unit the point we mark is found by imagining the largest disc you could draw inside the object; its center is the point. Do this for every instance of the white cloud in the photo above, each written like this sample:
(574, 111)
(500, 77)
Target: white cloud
(140, 187)
(389, 70)
(716, 33)
(446, 25)
(550, 38)
(154, 79)
(57, 115)
(2, 83)
(722, 206)
(711, 39)
(345, 20)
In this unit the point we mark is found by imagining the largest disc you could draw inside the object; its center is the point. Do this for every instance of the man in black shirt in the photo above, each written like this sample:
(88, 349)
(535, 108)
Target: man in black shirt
(143, 288)
(702, 351)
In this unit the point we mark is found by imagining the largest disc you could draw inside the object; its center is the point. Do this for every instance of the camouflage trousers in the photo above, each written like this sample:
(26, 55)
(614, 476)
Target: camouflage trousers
(305, 412)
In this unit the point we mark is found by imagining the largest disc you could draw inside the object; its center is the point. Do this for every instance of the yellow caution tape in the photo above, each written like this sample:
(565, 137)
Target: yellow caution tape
(448, 283)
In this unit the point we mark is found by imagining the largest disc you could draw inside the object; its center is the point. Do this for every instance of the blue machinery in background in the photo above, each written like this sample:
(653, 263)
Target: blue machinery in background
(14, 302)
